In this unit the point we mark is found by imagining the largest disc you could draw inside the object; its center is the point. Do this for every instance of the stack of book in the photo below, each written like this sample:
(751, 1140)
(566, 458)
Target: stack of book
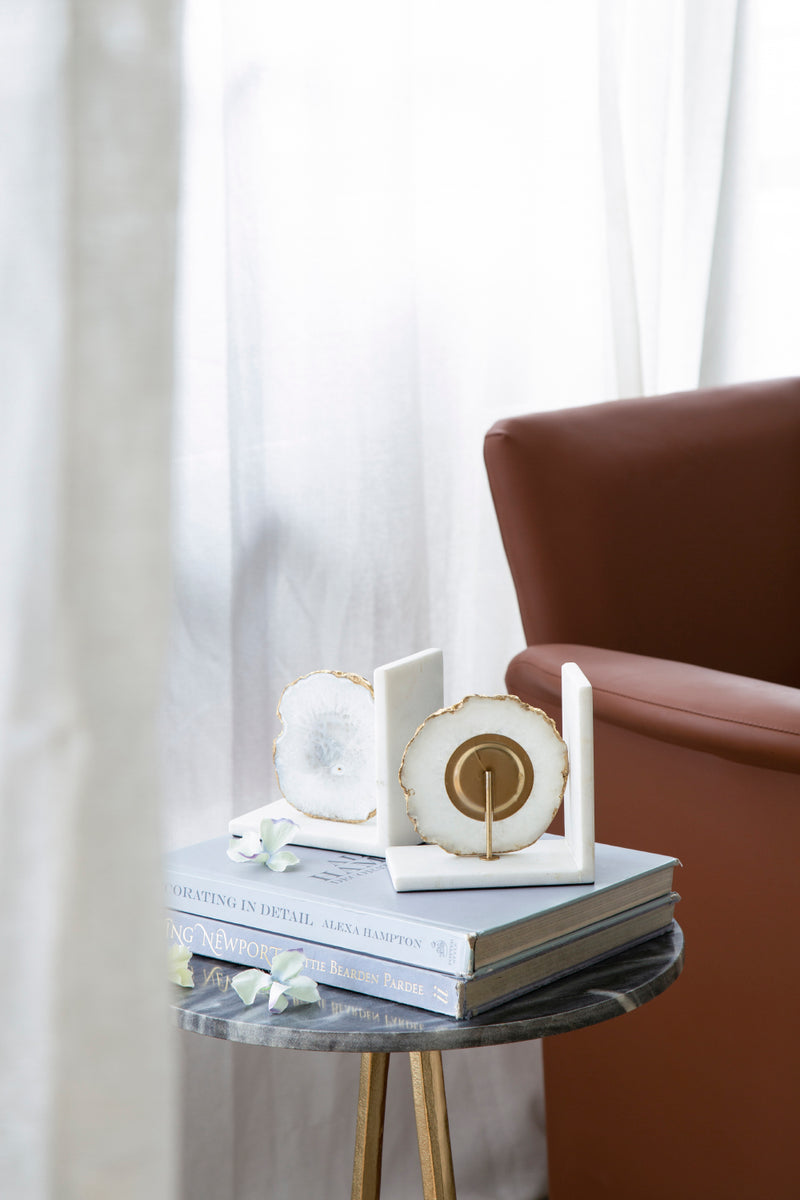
(457, 952)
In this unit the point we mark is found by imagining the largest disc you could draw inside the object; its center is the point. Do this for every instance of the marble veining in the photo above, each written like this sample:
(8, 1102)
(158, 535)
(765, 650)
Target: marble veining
(350, 1022)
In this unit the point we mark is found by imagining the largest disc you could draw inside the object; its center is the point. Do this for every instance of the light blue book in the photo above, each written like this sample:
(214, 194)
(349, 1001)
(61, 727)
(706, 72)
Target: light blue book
(347, 900)
(420, 987)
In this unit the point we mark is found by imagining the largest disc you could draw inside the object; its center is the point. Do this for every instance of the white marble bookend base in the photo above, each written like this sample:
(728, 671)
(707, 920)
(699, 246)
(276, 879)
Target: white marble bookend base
(429, 868)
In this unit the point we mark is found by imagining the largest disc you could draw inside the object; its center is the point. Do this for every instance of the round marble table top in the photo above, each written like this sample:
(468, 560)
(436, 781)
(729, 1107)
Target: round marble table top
(346, 1021)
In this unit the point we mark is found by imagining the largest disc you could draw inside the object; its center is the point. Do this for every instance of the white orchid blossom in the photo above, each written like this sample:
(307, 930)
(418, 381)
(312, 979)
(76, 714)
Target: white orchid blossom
(178, 965)
(265, 846)
(282, 983)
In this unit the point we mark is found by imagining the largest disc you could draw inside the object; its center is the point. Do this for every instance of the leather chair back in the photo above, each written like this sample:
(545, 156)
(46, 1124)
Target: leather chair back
(702, 493)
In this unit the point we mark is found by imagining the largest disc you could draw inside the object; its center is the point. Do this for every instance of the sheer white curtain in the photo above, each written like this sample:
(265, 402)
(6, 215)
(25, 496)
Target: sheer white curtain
(88, 189)
(401, 222)
(753, 307)
(665, 89)
(699, 108)
(398, 223)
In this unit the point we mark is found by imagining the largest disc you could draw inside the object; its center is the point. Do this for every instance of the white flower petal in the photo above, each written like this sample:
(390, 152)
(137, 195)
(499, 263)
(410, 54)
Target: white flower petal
(281, 860)
(286, 965)
(178, 957)
(276, 833)
(278, 1000)
(247, 984)
(178, 954)
(251, 843)
(303, 989)
(245, 848)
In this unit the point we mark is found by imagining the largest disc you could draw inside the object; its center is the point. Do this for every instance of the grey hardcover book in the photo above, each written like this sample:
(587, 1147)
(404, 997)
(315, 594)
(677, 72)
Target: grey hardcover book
(422, 987)
(348, 900)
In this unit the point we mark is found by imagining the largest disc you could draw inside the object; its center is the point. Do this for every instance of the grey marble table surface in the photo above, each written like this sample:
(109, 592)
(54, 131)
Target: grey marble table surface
(350, 1022)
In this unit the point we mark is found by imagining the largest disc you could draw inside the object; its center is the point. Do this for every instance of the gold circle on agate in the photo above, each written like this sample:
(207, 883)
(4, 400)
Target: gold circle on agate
(510, 767)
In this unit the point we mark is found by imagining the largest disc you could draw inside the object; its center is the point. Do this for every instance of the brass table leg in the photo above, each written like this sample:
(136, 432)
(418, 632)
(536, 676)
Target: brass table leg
(433, 1132)
(369, 1127)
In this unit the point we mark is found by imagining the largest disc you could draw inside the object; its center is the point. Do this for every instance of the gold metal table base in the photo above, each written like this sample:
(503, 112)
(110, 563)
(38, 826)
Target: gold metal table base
(433, 1131)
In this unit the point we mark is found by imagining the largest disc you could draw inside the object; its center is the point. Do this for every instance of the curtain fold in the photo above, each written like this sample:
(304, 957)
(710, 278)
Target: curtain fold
(666, 73)
(87, 227)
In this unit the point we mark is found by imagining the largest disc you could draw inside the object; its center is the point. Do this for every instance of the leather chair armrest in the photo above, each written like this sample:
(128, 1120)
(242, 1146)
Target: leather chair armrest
(732, 716)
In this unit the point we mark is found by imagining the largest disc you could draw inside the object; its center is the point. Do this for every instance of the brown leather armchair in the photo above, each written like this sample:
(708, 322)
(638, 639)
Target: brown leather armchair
(656, 542)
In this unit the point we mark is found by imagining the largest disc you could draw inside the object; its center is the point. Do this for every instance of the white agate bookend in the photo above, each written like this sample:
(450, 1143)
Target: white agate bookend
(469, 779)
(325, 753)
(337, 756)
(484, 780)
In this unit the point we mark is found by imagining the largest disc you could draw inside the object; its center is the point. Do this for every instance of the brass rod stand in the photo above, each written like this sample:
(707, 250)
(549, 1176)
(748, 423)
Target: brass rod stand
(433, 1130)
(489, 812)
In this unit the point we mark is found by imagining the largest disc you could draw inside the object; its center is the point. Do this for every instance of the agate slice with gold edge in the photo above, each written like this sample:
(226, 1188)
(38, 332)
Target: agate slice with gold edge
(325, 753)
(484, 777)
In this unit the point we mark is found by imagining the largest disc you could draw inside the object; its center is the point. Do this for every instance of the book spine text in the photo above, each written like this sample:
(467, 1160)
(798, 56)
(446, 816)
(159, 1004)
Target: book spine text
(401, 939)
(435, 991)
